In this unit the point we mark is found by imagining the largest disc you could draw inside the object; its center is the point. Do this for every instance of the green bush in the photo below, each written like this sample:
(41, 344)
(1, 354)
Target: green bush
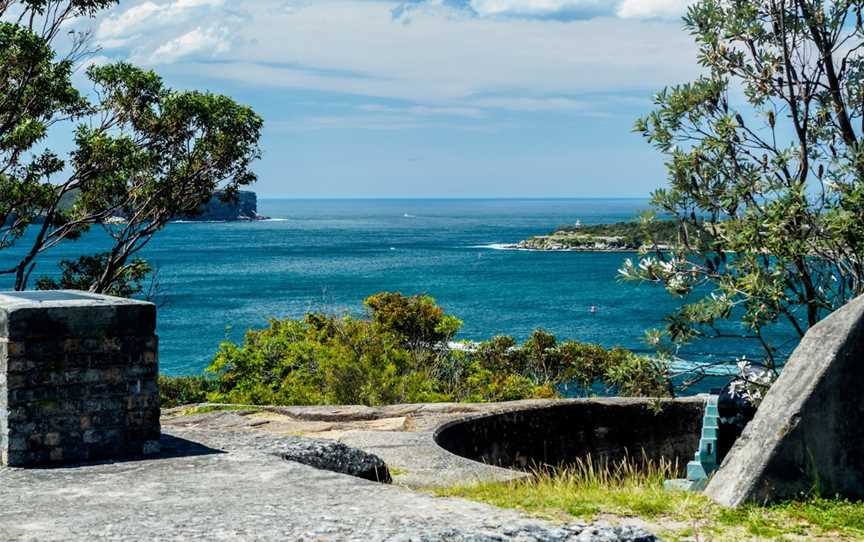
(184, 390)
(401, 353)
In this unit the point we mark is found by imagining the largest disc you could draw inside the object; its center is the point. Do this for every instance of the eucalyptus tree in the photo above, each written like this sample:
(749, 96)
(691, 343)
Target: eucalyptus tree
(765, 170)
(142, 153)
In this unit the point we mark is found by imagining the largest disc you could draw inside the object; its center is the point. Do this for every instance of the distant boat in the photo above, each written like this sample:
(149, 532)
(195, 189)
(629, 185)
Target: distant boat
(406, 215)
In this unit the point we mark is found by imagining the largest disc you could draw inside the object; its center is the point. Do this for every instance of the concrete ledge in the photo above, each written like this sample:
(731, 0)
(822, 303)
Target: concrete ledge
(70, 313)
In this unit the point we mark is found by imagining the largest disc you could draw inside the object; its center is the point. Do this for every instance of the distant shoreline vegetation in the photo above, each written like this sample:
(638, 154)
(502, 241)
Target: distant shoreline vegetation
(616, 237)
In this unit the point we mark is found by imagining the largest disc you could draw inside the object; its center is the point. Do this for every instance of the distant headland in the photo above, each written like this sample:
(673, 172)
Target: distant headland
(243, 207)
(617, 237)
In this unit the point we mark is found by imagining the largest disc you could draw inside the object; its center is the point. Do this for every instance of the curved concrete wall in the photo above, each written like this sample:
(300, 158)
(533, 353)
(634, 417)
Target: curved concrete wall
(608, 428)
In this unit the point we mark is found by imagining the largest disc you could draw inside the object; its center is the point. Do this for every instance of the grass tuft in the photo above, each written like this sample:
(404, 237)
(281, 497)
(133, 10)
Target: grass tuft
(207, 408)
(631, 491)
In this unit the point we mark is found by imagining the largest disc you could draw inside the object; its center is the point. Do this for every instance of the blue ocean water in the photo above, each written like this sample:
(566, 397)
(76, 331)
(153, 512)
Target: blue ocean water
(218, 279)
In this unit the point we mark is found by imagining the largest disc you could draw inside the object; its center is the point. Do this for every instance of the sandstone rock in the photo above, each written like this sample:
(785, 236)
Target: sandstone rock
(337, 457)
(808, 434)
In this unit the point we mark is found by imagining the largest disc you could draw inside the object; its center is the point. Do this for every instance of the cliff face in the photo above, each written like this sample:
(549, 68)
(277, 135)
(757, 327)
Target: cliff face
(245, 208)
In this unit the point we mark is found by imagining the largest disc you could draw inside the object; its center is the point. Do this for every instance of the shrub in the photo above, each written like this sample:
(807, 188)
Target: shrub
(184, 390)
(401, 353)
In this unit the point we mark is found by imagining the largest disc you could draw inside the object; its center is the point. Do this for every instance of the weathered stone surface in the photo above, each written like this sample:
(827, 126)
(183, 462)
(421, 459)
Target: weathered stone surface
(408, 448)
(337, 457)
(72, 314)
(808, 434)
(232, 485)
(403, 435)
(78, 377)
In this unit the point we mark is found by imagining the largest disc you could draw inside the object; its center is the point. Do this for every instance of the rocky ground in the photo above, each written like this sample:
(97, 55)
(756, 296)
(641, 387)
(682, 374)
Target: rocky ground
(402, 435)
(224, 475)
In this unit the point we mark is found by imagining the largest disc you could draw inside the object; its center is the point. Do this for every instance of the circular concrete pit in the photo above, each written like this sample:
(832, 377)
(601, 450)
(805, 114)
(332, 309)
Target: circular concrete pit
(558, 434)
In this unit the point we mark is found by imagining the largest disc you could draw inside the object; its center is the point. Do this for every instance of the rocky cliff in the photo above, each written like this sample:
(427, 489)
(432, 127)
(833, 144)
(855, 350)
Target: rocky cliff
(245, 207)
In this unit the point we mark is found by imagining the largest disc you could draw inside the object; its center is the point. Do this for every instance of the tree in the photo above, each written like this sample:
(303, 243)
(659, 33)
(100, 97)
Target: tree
(765, 168)
(143, 153)
(417, 320)
(157, 154)
(78, 275)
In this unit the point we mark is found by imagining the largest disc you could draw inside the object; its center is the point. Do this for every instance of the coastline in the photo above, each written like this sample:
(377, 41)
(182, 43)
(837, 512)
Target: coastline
(603, 237)
(258, 218)
(517, 247)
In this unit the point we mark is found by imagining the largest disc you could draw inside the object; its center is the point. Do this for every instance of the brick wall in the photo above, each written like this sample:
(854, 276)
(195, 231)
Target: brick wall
(78, 378)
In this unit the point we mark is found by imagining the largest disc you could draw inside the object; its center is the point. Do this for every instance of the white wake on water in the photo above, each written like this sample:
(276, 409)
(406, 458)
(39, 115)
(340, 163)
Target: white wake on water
(497, 246)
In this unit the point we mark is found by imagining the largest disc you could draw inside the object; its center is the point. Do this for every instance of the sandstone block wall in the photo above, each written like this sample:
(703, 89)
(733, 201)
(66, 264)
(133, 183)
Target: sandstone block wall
(78, 378)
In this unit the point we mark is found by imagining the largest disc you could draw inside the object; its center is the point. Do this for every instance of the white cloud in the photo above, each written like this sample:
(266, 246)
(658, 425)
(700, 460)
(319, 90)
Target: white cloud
(210, 41)
(115, 26)
(440, 58)
(96, 60)
(539, 7)
(557, 9)
(446, 66)
(186, 4)
(141, 23)
(644, 9)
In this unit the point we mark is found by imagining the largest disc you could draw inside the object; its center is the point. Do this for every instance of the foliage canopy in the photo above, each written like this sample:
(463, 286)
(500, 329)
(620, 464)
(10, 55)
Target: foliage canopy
(765, 166)
(142, 152)
(381, 359)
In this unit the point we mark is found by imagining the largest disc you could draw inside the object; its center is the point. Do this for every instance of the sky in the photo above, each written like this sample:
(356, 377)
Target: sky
(425, 98)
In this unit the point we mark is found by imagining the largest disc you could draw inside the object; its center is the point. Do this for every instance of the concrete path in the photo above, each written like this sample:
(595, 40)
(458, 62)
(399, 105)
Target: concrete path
(231, 485)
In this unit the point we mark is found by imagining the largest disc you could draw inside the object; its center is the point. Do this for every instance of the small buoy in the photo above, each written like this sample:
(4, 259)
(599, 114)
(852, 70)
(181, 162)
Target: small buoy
(593, 309)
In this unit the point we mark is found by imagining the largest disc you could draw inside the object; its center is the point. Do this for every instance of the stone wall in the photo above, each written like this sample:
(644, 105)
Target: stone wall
(78, 378)
(606, 429)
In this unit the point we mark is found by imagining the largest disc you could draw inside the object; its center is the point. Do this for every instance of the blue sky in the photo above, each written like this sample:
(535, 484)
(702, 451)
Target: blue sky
(425, 98)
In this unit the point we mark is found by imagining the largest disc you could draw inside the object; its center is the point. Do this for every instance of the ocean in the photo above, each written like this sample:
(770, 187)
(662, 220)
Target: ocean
(215, 280)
